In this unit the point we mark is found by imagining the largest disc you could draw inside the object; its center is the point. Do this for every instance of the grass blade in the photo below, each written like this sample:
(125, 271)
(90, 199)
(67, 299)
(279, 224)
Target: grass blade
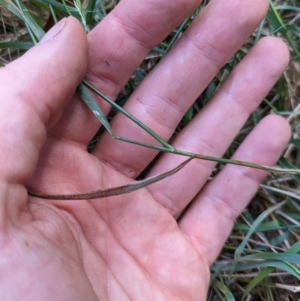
(89, 100)
(90, 11)
(60, 7)
(30, 23)
(19, 45)
(114, 190)
(131, 117)
(217, 285)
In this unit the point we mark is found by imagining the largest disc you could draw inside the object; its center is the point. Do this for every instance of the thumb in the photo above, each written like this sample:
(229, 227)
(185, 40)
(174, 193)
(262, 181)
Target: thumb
(33, 93)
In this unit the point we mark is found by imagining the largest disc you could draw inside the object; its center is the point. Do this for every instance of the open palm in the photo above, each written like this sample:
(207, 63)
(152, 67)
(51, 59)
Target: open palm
(130, 247)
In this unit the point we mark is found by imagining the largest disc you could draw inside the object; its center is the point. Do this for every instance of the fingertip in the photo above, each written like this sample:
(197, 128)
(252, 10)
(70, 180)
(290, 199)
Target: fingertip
(278, 131)
(74, 37)
(256, 9)
(277, 51)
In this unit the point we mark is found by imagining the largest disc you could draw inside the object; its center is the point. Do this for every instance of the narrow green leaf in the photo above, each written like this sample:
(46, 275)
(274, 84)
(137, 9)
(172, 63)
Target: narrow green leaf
(82, 13)
(276, 21)
(8, 4)
(90, 11)
(19, 45)
(223, 289)
(66, 7)
(256, 223)
(253, 227)
(287, 7)
(257, 280)
(242, 267)
(294, 248)
(31, 24)
(265, 272)
(89, 100)
(292, 258)
(131, 117)
(53, 14)
(267, 226)
(60, 7)
(286, 164)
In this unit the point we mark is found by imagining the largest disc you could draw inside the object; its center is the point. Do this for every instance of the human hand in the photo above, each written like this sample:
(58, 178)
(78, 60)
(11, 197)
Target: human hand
(130, 247)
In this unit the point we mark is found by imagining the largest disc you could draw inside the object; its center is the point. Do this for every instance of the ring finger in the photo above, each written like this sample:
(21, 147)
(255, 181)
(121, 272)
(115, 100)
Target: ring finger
(213, 130)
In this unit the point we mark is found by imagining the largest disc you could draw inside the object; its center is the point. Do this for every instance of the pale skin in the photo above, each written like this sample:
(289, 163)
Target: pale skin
(130, 247)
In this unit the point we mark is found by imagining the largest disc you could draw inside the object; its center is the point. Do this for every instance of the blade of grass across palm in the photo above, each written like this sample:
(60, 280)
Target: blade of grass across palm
(178, 33)
(34, 29)
(221, 287)
(210, 158)
(131, 117)
(112, 191)
(89, 100)
(267, 271)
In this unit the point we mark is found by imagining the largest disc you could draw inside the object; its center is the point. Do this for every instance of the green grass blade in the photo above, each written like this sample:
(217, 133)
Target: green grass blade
(89, 100)
(174, 151)
(287, 7)
(19, 45)
(256, 223)
(257, 280)
(286, 164)
(217, 285)
(131, 117)
(294, 248)
(291, 258)
(265, 272)
(275, 19)
(259, 31)
(82, 13)
(30, 23)
(12, 8)
(242, 267)
(53, 14)
(267, 226)
(90, 11)
(60, 7)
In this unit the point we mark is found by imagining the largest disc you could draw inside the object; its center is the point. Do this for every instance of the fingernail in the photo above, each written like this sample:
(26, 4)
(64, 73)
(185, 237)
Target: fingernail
(54, 31)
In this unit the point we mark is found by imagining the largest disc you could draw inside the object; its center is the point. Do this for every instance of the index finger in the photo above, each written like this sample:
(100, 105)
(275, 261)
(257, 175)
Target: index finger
(117, 46)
